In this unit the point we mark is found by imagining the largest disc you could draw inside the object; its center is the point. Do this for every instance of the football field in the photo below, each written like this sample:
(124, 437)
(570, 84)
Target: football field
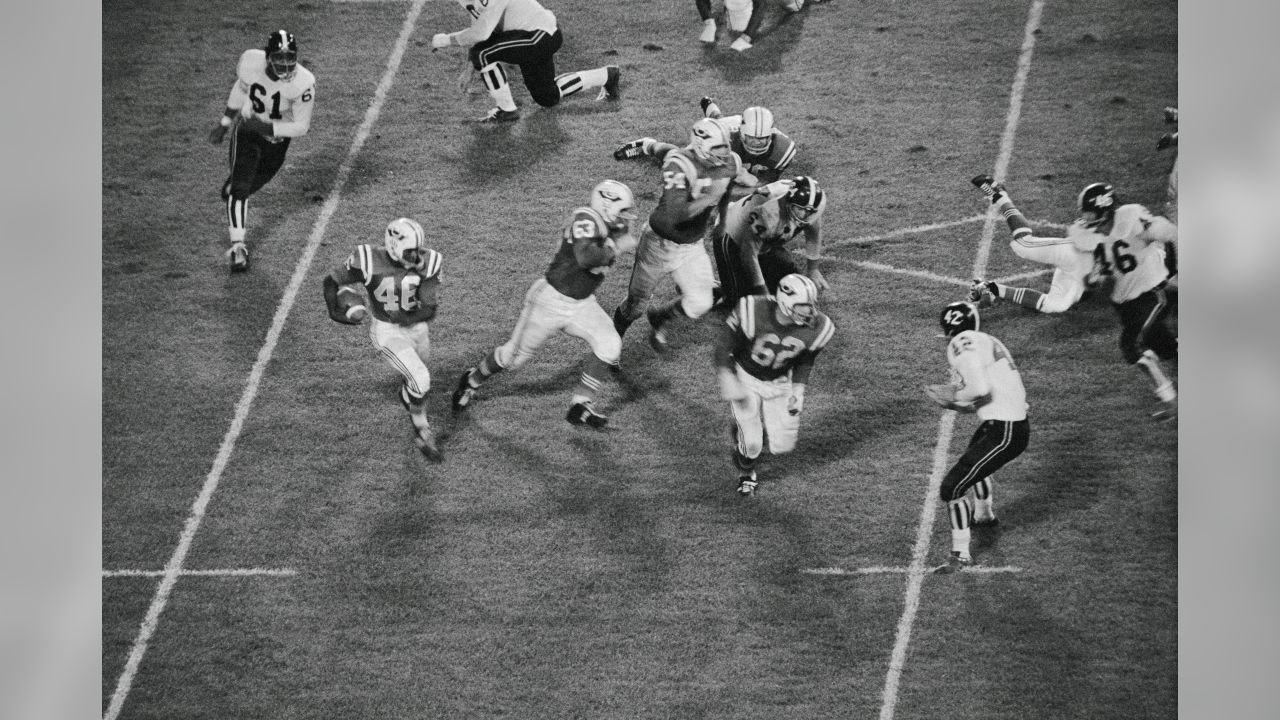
(274, 547)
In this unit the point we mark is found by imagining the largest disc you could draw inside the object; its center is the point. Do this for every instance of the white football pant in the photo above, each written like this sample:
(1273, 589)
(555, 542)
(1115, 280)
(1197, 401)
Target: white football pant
(406, 347)
(764, 410)
(547, 311)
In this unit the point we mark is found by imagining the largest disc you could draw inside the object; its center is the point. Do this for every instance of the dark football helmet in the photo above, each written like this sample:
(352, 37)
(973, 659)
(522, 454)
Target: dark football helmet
(804, 198)
(282, 54)
(958, 317)
(1097, 204)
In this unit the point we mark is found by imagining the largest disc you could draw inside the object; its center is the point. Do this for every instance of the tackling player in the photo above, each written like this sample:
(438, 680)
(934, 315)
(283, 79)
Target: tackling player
(764, 149)
(696, 182)
(764, 354)
(525, 34)
(984, 380)
(1072, 267)
(270, 104)
(563, 300)
(401, 279)
(1128, 244)
(750, 246)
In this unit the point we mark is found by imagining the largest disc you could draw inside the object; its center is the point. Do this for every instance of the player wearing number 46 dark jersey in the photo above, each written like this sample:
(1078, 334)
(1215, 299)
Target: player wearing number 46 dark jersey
(764, 355)
(1129, 245)
(270, 104)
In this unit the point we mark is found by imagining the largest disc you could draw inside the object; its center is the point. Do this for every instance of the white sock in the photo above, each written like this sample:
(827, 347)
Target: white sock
(495, 79)
(960, 541)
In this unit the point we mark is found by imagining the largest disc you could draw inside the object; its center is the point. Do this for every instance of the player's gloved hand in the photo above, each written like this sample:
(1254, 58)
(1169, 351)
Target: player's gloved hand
(633, 149)
(795, 403)
(216, 135)
(709, 107)
(816, 276)
(255, 124)
(742, 43)
(1167, 140)
(441, 40)
(730, 386)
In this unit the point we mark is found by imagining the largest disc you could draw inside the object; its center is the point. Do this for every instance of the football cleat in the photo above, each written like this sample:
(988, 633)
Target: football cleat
(747, 484)
(1166, 412)
(582, 414)
(464, 393)
(983, 293)
(742, 44)
(708, 31)
(633, 149)
(657, 336)
(498, 115)
(989, 187)
(955, 564)
(610, 89)
(239, 257)
(424, 439)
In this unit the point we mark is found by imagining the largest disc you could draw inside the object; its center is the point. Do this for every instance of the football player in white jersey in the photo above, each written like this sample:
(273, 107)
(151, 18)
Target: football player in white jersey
(402, 280)
(563, 301)
(745, 17)
(269, 105)
(1071, 266)
(984, 380)
(764, 354)
(525, 34)
(1128, 245)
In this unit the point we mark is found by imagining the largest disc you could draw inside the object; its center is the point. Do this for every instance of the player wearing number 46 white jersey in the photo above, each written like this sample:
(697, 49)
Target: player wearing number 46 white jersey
(1128, 245)
(764, 354)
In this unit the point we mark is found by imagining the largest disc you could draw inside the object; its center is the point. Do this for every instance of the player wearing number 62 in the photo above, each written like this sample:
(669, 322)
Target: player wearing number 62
(270, 103)
(402, 278)
(563, 301)
(1130, 245)
(764, 354)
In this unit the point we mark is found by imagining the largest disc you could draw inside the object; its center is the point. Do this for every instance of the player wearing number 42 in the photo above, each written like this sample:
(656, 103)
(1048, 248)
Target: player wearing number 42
(984, 380)
(563, 301)
(269, 105)
(402, 278)
(764, 355)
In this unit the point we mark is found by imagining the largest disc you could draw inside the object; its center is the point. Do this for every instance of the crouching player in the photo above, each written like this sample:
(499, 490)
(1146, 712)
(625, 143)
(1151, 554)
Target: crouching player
(764, 355)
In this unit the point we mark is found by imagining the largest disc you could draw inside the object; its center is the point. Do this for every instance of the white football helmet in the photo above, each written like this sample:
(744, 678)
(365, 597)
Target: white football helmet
(709, 141)
(406, 243)
(757, 130)
(797, 297)
(614, 201)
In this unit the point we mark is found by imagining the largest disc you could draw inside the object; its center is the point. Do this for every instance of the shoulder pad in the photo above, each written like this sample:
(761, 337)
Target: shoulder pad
(431, 266)
(826, 331)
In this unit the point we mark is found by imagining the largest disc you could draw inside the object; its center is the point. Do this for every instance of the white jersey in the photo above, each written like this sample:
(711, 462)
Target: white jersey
(285, 104)
(981, 365)
(489, 16)
(1132, 252)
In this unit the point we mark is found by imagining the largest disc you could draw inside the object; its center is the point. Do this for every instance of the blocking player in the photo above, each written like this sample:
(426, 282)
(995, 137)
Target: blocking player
(765, 150)
(402, 280)
(563, 300)
(764, 355)
(696, 182)
(750, 246)
(984, 380)
(1072, 267)
(269, 105)
(525, 34)
(1128, 243)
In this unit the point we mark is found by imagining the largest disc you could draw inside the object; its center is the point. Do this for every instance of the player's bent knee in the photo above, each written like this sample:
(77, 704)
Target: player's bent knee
(695, 306)
(1051, 304)
(546, 97)
(608, 349)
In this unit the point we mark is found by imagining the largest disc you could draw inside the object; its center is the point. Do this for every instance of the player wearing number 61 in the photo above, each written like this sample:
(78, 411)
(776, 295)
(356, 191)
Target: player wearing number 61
(402, 279)
(764, 354)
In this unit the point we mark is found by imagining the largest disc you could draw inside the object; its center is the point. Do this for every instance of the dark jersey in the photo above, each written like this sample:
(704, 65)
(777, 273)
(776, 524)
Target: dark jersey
(779, 155)
(691, 191)
(767, 349)
(580, 262)
(396, 294)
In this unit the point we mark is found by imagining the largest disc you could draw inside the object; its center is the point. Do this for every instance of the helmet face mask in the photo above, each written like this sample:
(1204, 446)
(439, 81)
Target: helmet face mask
(406, 243)
(804, 198)
(797, 298)
(757, 130)
(709, 141)
(959, 317)
(614, 201)
(282, 54)
(1097, 204)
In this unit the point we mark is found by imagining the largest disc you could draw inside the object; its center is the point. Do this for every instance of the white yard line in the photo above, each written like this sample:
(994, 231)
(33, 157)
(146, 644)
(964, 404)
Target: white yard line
(173, 569)
(900, 232)
(232, 572)
(915, 578)
(885, 570)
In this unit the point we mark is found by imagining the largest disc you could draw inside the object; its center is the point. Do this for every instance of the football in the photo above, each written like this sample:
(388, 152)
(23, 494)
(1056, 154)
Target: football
(353, 302)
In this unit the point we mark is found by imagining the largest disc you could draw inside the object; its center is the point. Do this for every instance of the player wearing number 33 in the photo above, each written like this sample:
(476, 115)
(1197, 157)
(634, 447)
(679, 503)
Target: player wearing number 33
(984, 380)
(563, 301)
(1128, 244)
(402, 278)
(764, 354)
(270, 104)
